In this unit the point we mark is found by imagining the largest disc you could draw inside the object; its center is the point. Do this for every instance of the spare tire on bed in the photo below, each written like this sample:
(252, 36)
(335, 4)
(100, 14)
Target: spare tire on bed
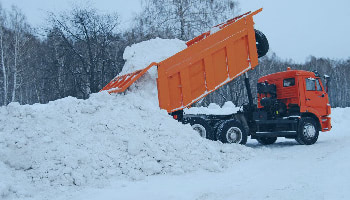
(262, 44)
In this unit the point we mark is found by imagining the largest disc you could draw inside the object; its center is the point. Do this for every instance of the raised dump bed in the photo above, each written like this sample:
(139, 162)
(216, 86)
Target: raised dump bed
(210, 61)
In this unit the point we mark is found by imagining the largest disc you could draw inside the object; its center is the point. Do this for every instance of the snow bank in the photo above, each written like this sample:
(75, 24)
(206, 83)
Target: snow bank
(214, 109)
(340, 119)
(68, 144)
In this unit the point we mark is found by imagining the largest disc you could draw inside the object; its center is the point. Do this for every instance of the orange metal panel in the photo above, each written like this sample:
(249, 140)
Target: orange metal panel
(175, 88)
(185, 86)
(197, 79)
(216, 58)
(219, 60)
(121, 83)
(209, 69)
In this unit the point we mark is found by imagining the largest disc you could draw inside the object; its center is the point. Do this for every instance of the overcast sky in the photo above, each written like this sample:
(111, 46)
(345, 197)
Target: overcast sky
(295, 29)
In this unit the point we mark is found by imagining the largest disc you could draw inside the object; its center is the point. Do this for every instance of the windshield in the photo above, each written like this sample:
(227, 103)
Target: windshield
(313, 84)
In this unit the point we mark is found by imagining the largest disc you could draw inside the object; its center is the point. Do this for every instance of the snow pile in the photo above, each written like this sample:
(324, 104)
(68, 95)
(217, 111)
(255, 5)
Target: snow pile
(140, 55)
(56, 147)
(75, 142)
(214, 109)
(340, 119)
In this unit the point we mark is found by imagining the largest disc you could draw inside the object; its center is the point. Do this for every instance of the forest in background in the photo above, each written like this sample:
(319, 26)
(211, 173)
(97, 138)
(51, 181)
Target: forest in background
(82, 50)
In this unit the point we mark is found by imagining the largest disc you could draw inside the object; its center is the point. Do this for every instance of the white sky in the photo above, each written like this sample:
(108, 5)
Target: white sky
(36, 10)
(295, 29)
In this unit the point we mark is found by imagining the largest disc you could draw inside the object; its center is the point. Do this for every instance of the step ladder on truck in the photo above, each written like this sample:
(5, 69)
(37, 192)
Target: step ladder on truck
(292, 104)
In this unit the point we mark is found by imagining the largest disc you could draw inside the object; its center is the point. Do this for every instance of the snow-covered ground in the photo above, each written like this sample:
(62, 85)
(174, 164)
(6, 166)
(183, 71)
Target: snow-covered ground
(124, 147)
(284, 170)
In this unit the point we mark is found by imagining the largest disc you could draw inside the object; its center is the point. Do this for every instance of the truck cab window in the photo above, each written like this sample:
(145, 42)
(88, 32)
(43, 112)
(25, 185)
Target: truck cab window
(288, 82)
(310, 84)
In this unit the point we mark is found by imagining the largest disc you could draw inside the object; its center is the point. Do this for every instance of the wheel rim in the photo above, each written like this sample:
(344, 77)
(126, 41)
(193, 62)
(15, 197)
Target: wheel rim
(200, 129)
(234, 135)
(309, 130)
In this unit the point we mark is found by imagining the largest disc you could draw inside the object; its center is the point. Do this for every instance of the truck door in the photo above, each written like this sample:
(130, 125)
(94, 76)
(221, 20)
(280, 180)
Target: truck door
(315, 96)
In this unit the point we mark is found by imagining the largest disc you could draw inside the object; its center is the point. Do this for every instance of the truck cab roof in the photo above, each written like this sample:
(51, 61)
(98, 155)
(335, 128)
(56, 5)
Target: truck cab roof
(287, 74)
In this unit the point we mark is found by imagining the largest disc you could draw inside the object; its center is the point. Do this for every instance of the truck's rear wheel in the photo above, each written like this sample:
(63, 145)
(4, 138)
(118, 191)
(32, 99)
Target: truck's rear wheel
(216, 127)
(307, 131)
(266, 140)
(299, 141)
(231, 131)
(202, 127)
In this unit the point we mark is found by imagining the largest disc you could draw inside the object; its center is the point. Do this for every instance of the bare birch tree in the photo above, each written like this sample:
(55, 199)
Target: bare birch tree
(19, 27)
(88, 35)
(183, 19)
(2, 49)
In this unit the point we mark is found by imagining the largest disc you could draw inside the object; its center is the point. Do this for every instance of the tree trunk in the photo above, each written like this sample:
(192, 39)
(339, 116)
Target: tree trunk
(182, 21)
(3, 68)
(15, 69)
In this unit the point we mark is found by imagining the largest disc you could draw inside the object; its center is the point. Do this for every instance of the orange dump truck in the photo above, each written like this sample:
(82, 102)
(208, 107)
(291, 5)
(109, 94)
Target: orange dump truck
(215, 58)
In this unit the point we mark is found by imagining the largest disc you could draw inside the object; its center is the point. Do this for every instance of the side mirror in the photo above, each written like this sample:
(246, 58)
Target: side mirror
(327, 80)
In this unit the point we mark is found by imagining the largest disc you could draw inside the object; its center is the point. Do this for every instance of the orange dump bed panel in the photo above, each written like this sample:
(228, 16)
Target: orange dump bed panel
(210, 61)
(122, 82)
(207, 64)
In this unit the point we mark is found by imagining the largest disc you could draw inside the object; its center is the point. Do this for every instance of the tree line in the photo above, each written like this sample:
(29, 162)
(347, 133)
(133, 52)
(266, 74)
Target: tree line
(82, 50)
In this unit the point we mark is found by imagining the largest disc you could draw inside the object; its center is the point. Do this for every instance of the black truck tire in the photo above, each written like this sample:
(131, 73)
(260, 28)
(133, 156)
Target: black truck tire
(266, 140)
(202, 127)
(232, 131)
(299, 141)
(216, 127)
(307, 131)
(262, 44)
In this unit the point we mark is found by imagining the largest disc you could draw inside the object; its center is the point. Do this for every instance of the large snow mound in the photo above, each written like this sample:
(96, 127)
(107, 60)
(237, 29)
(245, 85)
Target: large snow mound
(71, 143)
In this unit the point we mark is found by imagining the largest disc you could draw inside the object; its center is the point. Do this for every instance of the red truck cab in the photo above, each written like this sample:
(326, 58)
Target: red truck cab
(300, 93)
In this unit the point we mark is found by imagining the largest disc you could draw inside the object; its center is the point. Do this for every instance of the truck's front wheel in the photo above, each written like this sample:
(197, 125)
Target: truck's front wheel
(307, 131)
(231, 131)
